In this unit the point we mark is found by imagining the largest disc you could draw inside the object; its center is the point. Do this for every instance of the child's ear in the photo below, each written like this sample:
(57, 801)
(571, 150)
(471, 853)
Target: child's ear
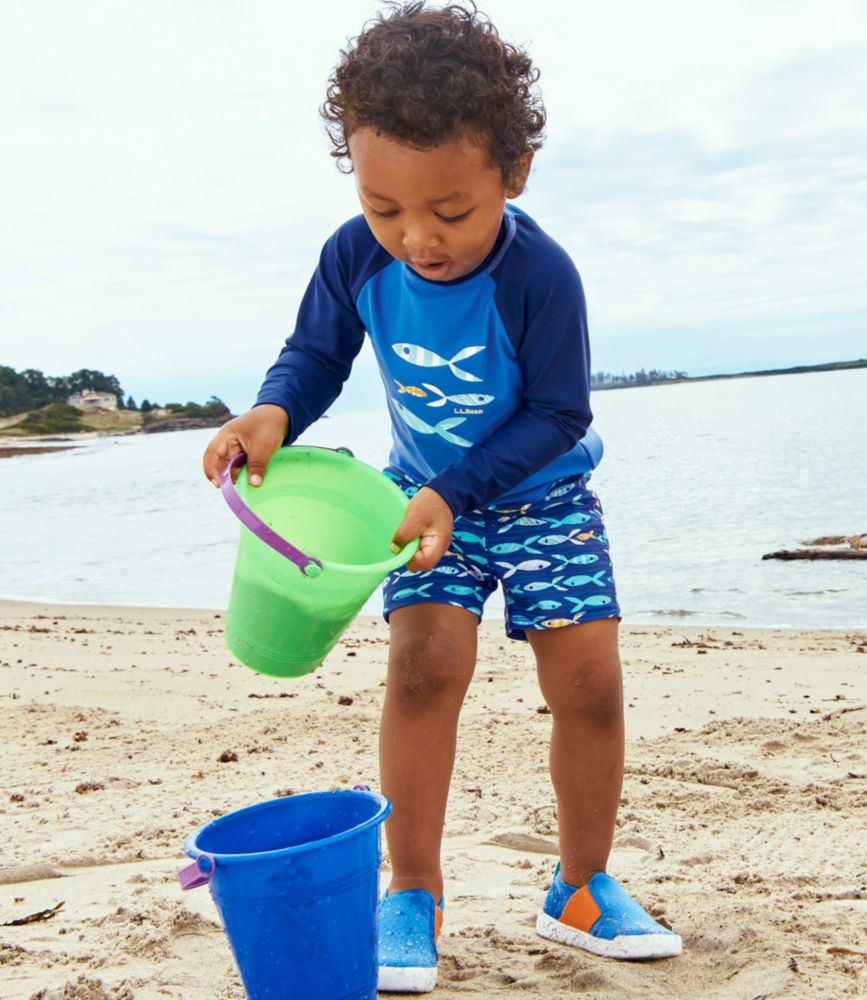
(522, 172)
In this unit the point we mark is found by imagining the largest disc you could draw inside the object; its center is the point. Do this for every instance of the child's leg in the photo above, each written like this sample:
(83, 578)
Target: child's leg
(431, 660)
(579, 674)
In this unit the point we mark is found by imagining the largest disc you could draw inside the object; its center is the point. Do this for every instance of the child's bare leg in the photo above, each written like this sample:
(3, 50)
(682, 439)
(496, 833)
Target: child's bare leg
(579, 674)
(431, 660)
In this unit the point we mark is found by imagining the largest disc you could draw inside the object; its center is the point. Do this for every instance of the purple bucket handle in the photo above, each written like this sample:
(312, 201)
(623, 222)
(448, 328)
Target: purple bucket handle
(309, 565)
(198, 873)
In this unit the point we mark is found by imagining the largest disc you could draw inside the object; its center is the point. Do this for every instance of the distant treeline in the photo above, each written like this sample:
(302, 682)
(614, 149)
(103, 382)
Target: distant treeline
(606, 380)
(21, 392)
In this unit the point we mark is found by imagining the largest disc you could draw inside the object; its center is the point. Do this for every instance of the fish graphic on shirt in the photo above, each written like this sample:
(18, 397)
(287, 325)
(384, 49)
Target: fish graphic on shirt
(421, 356)
(462, 399)
(413, 390)
(443, 428)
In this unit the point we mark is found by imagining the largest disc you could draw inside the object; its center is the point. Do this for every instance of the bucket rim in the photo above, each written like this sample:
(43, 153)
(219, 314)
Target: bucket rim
(328, 456)
(381, 814)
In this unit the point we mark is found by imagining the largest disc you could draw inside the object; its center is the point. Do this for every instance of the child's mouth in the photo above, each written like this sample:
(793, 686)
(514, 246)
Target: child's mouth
(430, 269)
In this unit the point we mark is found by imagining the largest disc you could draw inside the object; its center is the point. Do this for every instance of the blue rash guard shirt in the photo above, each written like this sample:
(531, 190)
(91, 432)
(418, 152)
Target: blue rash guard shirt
(487, 377)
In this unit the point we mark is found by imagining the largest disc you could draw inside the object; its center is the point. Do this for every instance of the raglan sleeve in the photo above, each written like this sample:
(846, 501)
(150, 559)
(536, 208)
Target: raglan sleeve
(547, 324)
(317, 358)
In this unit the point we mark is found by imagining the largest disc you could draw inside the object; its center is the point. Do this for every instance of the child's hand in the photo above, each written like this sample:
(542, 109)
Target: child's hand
(428, 517)
(258, 433)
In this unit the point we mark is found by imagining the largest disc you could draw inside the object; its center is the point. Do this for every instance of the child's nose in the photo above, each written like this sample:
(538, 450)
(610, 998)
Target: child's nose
(419, 237)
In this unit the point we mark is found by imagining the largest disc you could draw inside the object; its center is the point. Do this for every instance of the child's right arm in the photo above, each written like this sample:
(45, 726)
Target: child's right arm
(258, 433)
(309, 373)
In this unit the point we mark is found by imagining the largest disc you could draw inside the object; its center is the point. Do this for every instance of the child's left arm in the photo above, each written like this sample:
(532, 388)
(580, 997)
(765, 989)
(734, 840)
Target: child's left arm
(546, 320)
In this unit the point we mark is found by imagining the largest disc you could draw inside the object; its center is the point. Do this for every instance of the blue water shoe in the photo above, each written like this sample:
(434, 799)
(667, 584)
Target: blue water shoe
(603, 918)
(409, 924)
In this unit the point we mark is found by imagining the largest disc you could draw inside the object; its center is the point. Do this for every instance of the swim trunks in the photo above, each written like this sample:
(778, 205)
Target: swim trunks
(550, 556)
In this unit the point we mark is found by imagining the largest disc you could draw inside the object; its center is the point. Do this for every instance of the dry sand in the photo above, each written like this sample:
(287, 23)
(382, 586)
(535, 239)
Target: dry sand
(742, 820)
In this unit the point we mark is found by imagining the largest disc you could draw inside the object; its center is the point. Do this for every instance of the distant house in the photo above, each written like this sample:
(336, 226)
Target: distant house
(93, 400)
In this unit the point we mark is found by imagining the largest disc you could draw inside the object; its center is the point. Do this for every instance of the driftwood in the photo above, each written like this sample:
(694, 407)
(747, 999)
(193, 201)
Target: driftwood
(826, 547)
(817, 554)
(33, 918)
(854, 541)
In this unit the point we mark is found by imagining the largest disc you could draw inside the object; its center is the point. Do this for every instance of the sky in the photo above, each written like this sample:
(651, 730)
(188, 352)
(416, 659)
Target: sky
(166, 184)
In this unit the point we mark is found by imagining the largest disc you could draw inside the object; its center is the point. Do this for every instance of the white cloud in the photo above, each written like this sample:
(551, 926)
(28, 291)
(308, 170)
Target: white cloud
(167, 184)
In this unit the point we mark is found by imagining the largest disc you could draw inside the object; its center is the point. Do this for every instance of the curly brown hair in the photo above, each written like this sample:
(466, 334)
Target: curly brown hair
(426, 75)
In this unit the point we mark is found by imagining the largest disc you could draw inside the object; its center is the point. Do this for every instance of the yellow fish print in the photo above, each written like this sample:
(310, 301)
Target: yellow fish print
(585, 536)
(413, 390)
(560, 622)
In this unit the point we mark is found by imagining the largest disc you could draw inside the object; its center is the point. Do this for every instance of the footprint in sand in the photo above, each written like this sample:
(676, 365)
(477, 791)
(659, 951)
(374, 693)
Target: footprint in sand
(524, 842)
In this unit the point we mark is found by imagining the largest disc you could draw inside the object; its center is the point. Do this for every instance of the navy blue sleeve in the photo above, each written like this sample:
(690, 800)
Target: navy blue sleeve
(310, 371)
(545, 316)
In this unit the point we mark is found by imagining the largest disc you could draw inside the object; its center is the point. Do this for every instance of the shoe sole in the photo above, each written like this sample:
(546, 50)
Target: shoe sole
(412, 979)
(626, 946)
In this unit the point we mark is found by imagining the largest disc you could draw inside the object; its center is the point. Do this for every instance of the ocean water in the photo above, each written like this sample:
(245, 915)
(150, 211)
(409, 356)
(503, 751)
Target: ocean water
(698, 481)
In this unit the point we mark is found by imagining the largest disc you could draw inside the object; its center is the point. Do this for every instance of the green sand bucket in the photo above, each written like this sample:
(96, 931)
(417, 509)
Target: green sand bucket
(291, 601)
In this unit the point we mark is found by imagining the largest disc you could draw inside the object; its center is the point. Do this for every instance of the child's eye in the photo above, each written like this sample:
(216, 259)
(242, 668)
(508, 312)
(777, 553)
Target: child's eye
(455, 218)
(383, 215)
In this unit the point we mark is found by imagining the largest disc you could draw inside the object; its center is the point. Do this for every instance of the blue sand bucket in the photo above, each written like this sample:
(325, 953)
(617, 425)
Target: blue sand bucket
(296, 882)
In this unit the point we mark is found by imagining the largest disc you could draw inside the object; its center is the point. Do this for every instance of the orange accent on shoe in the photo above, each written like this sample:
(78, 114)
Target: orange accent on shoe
(438, 921)
(581, 910)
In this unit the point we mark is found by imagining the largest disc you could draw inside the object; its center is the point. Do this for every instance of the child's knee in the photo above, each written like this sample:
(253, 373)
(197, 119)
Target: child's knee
(589, 689)
(429, 667)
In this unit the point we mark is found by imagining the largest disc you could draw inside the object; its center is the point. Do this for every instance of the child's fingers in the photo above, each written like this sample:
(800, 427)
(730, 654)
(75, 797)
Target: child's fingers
(259, 453)
(430, 550)
(216, 457)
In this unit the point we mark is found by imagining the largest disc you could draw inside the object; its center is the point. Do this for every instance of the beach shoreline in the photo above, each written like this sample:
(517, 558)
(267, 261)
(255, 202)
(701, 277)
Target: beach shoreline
(741, 819)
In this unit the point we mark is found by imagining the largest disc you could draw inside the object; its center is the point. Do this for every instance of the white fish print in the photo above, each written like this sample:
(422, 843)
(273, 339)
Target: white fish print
(560, 491)
(536, 585)
(521, 522)
(527, 566)
(421, 356)
(443, 428)
(463, 399)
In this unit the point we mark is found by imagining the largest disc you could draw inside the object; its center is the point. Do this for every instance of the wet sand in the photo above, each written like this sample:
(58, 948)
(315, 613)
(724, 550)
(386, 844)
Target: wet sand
(742, 821)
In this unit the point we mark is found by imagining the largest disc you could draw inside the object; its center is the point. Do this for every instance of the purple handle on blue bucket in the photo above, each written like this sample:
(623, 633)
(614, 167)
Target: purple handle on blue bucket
(278, 543)
(198, 873)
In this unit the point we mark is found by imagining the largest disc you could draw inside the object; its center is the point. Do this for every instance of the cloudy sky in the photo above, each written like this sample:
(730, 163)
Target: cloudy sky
(166, 185)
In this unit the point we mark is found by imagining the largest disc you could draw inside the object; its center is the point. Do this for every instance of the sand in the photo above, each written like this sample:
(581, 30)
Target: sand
(742, 821)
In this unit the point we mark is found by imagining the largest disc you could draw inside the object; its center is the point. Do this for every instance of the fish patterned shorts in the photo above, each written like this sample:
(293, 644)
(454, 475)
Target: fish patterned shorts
(551, 557)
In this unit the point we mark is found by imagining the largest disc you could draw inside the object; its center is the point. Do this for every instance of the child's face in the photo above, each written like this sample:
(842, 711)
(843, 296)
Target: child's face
(438, 210)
